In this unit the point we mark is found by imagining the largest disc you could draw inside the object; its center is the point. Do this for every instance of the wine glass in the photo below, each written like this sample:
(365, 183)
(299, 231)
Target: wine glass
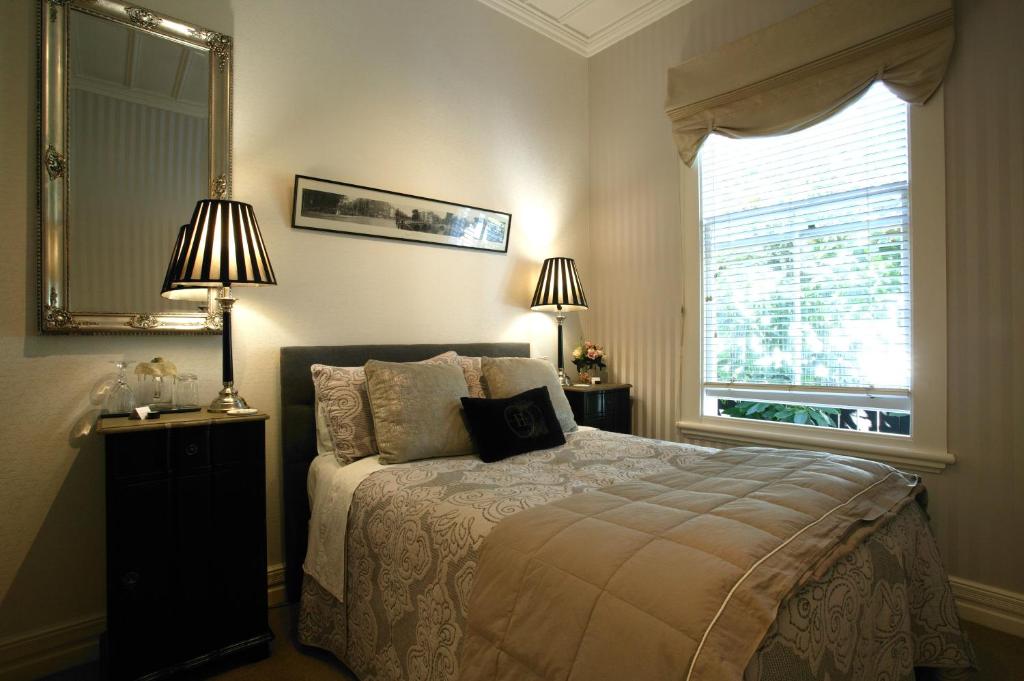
(120, 399)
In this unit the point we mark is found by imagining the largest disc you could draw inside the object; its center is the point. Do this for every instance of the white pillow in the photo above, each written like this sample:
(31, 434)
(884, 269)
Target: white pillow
(324, 446)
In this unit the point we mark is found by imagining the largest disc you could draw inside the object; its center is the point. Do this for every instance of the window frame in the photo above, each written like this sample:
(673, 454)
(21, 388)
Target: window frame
(926, 448)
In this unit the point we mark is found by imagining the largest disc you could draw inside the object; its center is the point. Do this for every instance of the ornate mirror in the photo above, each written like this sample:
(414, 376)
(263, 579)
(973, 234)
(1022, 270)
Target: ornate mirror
(135, 127)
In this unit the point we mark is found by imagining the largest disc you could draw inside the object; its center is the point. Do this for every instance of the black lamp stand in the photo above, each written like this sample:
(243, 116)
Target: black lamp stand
(560, 317)
(228, 397)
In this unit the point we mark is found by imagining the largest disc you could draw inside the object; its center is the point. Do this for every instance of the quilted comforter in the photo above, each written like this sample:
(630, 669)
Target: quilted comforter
(868, 601)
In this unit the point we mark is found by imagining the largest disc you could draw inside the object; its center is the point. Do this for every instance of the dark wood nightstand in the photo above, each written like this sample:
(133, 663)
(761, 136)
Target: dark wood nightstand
(186, 542)
(605, 406)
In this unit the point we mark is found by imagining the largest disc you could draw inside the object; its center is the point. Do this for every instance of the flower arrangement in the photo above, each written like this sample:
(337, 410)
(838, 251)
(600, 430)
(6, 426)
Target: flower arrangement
(588, 356)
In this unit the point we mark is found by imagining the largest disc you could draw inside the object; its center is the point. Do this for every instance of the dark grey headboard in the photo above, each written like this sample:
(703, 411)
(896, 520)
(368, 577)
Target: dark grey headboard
(298, 424)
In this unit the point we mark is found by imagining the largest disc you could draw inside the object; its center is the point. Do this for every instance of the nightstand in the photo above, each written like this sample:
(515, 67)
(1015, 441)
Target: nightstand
(186, 542)
(605, 406)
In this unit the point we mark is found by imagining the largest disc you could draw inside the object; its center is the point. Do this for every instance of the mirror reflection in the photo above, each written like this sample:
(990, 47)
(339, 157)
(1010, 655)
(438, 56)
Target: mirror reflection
(138, 160)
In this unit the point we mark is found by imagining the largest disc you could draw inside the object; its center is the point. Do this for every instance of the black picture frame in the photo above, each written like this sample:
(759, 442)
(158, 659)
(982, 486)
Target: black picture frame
(325, 205)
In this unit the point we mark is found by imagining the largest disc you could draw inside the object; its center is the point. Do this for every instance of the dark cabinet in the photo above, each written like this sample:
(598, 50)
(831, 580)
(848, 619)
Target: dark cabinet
(186, 543)
(605, 406)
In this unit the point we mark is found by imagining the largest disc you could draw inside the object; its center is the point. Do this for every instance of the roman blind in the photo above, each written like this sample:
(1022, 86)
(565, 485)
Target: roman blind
(800, 71)
(806, 261)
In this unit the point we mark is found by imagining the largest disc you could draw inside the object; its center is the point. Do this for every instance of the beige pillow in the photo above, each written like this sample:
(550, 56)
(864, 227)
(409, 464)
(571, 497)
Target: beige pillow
(417, 410)
(508, 376)
(343, 408)
(473, 371)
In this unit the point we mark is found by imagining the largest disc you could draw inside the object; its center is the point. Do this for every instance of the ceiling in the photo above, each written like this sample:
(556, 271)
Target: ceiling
(585, 26)
(119, 61)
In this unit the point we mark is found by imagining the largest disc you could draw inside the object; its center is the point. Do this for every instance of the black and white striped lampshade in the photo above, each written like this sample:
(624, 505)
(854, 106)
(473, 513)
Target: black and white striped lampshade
(222, 247)
(178, 291)
(559, 287)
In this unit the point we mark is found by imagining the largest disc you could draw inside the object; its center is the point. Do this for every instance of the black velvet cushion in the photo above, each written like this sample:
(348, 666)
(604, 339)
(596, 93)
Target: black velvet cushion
(503, 427)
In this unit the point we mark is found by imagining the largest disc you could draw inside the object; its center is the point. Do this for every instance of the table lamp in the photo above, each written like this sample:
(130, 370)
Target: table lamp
(559, 291)
(173, 291)
(221, 247)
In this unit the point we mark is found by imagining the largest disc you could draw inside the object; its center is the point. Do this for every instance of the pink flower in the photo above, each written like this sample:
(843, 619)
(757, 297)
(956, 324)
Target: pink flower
(592, 353)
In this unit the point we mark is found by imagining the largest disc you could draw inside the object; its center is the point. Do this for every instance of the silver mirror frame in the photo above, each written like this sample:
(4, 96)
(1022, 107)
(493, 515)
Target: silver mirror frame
(55, 315)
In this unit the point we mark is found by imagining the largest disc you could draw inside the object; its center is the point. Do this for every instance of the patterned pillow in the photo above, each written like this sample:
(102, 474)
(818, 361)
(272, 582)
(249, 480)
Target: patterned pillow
(472, 368)
(342, 402)
(508, 376)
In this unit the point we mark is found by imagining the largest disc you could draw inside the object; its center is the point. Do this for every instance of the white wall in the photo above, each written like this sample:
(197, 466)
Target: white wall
(977, 505)
(446, 99)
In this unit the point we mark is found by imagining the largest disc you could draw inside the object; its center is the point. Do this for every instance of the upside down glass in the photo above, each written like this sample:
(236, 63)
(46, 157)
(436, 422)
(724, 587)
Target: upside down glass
(120, 399)
(186, 391)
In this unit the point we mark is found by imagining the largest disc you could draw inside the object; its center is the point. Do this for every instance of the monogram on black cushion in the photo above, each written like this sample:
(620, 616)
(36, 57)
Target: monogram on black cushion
(503, 427)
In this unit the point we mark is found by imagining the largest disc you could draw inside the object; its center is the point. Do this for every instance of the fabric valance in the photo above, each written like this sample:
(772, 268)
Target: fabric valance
(800, 71)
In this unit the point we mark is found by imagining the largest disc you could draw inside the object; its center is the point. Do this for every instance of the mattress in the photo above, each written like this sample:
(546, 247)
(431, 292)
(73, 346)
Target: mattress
(410, 539)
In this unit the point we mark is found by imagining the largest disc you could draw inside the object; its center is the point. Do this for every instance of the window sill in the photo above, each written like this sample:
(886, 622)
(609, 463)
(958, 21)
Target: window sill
(784, 435)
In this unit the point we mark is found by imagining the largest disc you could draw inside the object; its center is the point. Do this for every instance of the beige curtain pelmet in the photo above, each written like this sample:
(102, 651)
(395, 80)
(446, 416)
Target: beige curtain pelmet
(799, 72)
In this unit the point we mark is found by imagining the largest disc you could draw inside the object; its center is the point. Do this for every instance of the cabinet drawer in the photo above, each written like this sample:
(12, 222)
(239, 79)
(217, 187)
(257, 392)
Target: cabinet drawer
(190, 448)
(595, 406)
(237, 443)
(137, 454)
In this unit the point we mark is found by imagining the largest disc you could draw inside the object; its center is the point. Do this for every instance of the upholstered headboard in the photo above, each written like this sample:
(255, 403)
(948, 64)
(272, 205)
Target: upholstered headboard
(298, 424)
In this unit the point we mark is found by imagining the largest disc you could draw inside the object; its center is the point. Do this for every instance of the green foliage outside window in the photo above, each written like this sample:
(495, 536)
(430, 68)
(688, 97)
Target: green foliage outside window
(783, 413)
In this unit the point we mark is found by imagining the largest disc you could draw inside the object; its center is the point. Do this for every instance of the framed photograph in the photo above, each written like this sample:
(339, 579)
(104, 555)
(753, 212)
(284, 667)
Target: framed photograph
(352, 209)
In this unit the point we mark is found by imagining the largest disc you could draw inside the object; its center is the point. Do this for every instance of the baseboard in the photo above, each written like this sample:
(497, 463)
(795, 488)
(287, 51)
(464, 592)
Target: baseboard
(989, 606)
(276, 595)
(45, 651)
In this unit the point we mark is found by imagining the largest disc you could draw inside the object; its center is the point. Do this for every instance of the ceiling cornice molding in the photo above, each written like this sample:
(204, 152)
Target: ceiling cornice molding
(632, 22)
(541, 23)
(586, 45)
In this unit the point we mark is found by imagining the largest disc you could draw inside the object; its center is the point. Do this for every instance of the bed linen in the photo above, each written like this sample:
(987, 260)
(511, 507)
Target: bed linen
(330, 486)
(415, 533)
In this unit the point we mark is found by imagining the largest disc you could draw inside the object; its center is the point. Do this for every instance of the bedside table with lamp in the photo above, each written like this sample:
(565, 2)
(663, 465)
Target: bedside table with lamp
(186, 493)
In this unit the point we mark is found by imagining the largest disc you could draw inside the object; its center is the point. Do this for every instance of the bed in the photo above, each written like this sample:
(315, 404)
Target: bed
(392, 555)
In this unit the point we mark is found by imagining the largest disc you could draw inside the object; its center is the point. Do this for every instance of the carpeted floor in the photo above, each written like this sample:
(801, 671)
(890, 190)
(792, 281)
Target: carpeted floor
(1000, 656)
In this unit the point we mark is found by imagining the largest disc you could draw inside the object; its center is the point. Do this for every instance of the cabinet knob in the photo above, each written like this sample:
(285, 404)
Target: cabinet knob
(130, 580)
(191, 449)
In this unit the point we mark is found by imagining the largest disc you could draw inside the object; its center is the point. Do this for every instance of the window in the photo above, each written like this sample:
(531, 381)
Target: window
(809, 314)
(806, 255)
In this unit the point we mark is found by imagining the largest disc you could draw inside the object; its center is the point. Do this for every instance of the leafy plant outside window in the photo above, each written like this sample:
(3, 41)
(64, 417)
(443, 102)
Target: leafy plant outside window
(784, 413)
(866, 420)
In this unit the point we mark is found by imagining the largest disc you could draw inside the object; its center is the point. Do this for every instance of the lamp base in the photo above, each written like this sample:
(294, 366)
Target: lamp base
(227, 398)
(562, 378)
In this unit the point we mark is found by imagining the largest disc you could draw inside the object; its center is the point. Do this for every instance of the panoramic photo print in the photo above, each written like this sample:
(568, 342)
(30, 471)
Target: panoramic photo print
(352, 209)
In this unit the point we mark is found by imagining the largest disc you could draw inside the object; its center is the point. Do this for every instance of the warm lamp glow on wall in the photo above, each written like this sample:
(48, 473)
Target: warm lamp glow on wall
(221, 247)
(559, 291)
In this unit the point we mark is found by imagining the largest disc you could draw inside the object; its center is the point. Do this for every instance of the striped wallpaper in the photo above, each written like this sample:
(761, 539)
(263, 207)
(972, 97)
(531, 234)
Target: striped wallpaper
(136, 173)
(635, 277)
(636, 232)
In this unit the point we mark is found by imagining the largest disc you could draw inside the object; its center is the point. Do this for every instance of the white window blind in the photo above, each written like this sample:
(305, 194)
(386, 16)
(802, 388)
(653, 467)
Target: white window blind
(806, 261)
